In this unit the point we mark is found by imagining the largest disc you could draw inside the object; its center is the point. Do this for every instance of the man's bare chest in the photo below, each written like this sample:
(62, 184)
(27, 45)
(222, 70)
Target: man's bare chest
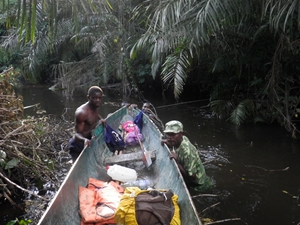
(92, 120)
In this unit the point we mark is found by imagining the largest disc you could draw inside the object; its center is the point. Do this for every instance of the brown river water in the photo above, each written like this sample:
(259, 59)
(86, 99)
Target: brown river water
(256, 167)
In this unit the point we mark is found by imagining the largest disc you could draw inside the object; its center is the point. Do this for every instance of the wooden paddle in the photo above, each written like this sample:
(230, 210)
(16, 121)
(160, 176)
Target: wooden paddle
(146, 156)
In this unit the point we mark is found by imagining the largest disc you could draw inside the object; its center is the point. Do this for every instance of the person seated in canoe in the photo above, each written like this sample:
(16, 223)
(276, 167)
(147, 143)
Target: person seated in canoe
(87, 118)
(150, 111)
(186, 156)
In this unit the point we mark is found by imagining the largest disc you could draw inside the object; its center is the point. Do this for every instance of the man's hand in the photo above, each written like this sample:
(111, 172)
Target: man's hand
(133, 106)
(87, 142)
(102, 121)
(163, 141)
(173, 156)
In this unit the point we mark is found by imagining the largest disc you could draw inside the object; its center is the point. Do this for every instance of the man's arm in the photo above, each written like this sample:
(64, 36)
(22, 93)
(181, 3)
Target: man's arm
(80, 120)
(101, 120)
(183, 171)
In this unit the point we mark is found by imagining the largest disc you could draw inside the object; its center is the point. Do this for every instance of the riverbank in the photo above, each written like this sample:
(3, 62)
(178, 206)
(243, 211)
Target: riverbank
(35, 164)
(33, 156)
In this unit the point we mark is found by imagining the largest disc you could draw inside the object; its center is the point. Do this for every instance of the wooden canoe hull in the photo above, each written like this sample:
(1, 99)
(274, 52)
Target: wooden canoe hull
(164, 173)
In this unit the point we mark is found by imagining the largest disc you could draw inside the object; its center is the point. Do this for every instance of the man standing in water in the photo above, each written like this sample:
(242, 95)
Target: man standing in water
(186, 156)
(86, 119)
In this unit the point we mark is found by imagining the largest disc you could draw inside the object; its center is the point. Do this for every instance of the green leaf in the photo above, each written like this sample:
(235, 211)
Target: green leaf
(109, 5)
(175, 70)
(33, 21)
(242, 112)
(12, 222)
(12, 163)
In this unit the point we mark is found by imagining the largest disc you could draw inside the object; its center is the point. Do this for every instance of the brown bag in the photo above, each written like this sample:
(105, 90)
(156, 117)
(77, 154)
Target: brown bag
(148, 207)
(154, 208)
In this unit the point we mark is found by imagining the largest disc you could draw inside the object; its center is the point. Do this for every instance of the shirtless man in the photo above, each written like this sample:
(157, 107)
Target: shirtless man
(86, 119)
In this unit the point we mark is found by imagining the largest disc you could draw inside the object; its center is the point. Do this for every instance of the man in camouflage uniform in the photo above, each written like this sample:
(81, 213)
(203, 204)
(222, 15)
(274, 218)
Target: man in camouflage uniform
(186, 156)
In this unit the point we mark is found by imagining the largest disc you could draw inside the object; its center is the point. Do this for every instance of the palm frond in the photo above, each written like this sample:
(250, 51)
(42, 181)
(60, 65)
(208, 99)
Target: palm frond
(221, 108)
(189, 21)
(242, 112)
(282, 14)
(174, 70)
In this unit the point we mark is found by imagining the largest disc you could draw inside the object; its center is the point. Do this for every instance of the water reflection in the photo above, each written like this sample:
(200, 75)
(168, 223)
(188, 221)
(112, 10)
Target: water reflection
(259, 183)
(54, 102)
(253, 183)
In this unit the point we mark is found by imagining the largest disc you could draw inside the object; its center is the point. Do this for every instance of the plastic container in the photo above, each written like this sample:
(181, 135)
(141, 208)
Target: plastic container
(121, 173)
(142, 184)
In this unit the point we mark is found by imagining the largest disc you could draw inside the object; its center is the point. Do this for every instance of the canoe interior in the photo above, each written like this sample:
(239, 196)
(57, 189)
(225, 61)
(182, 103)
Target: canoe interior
(164, 173)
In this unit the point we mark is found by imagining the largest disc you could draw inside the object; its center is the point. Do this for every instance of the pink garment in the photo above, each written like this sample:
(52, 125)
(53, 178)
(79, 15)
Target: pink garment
(132, 133)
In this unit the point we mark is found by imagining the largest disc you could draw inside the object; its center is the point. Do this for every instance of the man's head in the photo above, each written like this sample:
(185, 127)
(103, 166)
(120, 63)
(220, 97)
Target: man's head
(174, 133)
(94, 89)
(146, 106)
(95, 96)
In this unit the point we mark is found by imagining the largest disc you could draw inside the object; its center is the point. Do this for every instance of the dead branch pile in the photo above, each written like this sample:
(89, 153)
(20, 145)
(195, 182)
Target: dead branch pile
(33, 147)
(32, 150)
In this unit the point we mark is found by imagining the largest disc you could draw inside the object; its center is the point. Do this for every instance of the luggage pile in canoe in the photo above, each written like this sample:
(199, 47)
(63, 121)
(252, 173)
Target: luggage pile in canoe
(103, 203)
(92, 164)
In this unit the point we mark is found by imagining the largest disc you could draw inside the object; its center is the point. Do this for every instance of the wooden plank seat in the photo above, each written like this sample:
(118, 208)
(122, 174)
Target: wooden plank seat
(126, 158)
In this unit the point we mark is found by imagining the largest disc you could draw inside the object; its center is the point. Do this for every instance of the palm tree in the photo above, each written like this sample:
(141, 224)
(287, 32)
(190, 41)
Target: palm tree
(178, 32)
(245, 49)
(244, 44)
(84, 42)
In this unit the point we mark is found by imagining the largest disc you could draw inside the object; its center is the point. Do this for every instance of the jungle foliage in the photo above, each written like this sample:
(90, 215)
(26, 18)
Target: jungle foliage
(243, 53)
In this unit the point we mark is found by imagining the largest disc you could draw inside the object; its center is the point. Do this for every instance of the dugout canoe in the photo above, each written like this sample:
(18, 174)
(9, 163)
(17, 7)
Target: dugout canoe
(164, 173)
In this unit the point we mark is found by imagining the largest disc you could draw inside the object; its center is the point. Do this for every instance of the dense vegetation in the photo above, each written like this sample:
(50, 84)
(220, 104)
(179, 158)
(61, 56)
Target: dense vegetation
(33, 154)
(242, 54)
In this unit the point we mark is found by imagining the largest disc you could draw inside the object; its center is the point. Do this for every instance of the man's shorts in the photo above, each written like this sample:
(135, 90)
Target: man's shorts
(75, 148)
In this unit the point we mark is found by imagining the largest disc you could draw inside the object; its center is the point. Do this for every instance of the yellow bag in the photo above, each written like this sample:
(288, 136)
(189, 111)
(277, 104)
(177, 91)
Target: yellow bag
(148, 207)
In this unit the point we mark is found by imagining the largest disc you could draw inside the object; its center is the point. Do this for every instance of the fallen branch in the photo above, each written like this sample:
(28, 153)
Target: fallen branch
(23, 189)
(218, 203)
(14, 131)
(4, 186)
(285, 169)
(4, 123)
(11, 201)
(34, 163)
(30, 106)
(204, 195)
(222, 221)
(181, 103)
(207, 162)
(6, 71)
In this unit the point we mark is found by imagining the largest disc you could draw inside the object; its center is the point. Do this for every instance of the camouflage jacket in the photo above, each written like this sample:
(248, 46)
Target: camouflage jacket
(188, 157)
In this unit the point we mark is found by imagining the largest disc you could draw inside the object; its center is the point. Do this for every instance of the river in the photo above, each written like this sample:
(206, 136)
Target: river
(256, 167)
